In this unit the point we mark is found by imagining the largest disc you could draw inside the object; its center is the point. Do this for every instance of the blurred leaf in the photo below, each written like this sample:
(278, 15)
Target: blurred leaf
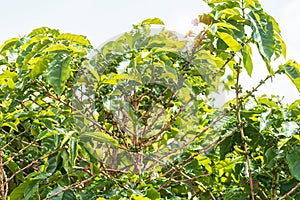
(152, 194)
(293, 160)
(235, 194)
(271, 157)
(289, 129)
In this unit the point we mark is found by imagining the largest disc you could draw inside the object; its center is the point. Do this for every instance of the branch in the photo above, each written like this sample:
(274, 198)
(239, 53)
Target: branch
(241, 128)
(29, 165)
(2, 187)
(52, 96)
(17, 154)
(166, 126)
(71, 186)
(201, 132)
(290, 192)
(74, 185)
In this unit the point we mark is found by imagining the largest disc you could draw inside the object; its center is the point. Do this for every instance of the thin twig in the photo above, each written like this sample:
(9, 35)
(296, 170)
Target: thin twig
(290, 192)
(241, 128)
(29, 165)
(71, 186)
(17, 154)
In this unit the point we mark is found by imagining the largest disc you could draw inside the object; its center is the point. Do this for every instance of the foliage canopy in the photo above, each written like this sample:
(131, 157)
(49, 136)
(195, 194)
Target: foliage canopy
(134, 119)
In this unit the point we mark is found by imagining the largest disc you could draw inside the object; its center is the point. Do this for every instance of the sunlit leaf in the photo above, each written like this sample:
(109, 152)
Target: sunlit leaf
(247, 59)
(153, 21)
(292, 69)
(78, 39)
(8, 44)
(230, 41)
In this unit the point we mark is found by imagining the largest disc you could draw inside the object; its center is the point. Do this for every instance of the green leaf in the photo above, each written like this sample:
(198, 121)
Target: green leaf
(152, 194)
(78, 39)
(113, 80)
(250, 3)
(225, 26)
(56, 49)
(58, 72)
(31, 191)
(93, 72)
(8, 74)
(73, 150)
(54, 191)
(247, 59)
(8, 44)
(230, 41)
(35, 51)
(18, 192)
(263, 35)
(293, 159)
(42, 31)
(65, 160)
(68, 195)
(271, 157)
(39, 66)
(265, 121)
(138, 197)
(226, 146)
(45, 134)
(101, 137)
(235, 194)
(153, 21)
(294, 108)
(52, 164)
(12, 125)
(216, 1)
(292, 69)
(13, 167)
(67, 136)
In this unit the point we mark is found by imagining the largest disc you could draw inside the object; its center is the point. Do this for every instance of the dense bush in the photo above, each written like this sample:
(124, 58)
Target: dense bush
(135, 119)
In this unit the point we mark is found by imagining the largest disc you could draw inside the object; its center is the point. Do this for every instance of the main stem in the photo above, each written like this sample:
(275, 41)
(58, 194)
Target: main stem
(241, 128)
(2, 187)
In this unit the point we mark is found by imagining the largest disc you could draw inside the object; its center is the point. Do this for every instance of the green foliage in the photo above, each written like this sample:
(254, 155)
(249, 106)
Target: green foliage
(135, 120)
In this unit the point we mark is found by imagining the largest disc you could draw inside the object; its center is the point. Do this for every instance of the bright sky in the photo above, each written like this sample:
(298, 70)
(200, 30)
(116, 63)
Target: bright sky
(100, 20)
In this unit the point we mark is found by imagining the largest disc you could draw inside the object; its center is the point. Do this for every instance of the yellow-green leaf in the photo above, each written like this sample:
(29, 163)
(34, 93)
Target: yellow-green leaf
(247, 60)
(79, 39)
(8, 44)
(226, 25)
(230, 41)
(153, 21)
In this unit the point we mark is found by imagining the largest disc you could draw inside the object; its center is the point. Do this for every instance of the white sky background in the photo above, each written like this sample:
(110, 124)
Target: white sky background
(100, 20)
